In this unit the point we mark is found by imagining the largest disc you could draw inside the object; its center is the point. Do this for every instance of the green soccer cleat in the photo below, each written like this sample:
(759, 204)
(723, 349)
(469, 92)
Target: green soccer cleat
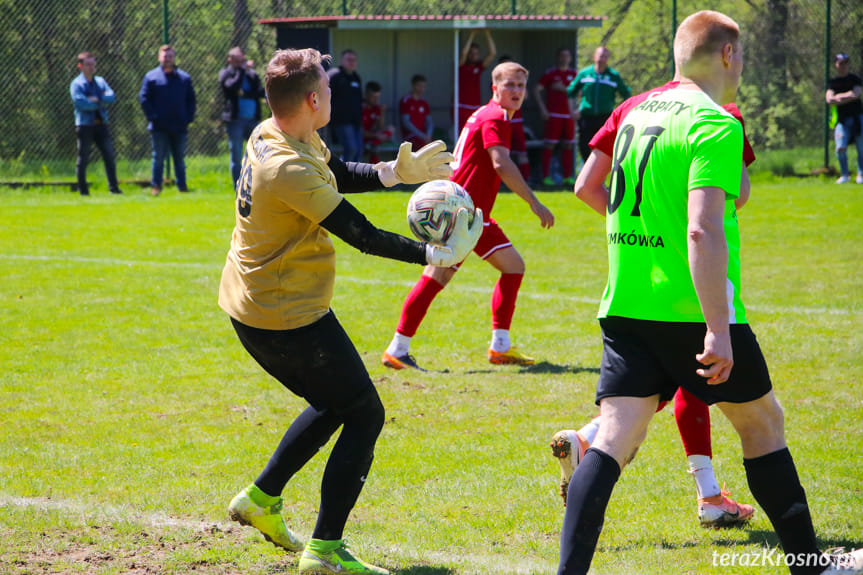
(268, 520)
(334, 557)
(548, 182)
(569, 182)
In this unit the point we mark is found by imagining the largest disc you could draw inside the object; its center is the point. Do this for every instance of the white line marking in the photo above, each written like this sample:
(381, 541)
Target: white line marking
(515, 566)
(795, 309)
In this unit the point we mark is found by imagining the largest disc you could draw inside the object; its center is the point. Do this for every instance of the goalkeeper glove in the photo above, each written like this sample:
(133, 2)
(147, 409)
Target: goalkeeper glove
(463, 239)
(431, 162)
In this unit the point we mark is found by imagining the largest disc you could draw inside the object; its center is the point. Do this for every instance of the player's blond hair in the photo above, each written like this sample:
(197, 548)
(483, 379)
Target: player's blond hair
(505, 67)
(703, 34)
(291, 75)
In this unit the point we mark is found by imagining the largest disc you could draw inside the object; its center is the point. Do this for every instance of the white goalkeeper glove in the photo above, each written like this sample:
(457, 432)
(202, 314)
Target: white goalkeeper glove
(463, 239)
(431, 162)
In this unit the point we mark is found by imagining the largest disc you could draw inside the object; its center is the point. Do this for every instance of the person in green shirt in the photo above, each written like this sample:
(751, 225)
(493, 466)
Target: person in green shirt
(598, 85)
(672, 315)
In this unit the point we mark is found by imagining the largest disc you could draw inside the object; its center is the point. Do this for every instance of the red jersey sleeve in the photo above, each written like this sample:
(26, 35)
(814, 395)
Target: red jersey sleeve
(496, 133)
(748, 152)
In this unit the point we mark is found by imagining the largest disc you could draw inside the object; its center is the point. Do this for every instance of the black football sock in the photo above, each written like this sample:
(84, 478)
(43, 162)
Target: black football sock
(348, 465)
(589, 491)
(776, 487)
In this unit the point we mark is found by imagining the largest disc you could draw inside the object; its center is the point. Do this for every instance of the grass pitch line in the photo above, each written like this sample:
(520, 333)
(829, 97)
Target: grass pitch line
(520, 566)
(797, 310)
(111, 512)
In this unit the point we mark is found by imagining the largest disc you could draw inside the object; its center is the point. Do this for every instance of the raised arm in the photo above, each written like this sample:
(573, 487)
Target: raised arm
(492, 50)
(462, 58)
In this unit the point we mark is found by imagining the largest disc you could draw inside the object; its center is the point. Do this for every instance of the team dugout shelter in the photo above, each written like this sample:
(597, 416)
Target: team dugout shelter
(391, 49)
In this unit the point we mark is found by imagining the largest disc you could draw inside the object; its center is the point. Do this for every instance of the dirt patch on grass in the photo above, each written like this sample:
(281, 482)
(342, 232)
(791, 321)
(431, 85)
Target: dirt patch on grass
(99, 549)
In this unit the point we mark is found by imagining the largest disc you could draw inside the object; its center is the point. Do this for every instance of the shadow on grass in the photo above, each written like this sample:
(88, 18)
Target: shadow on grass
(424, 570)
(548, 367)
(762, 537)
(541, 367)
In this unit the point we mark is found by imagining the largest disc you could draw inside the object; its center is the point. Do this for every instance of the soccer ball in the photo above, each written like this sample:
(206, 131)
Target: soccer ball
(433, 207)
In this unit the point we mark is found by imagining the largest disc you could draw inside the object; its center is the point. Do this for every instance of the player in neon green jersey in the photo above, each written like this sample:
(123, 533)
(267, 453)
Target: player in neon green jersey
(672, 315)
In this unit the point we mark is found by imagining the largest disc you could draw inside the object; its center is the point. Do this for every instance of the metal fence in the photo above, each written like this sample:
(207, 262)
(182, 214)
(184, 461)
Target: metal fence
(788, 48)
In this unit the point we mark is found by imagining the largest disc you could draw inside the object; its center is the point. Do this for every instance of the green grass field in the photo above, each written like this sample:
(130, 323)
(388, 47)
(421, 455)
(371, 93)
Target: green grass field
(131, 414)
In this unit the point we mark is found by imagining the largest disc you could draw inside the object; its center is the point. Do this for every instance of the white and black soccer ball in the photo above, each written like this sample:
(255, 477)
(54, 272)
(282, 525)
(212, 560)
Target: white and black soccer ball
(433, 207)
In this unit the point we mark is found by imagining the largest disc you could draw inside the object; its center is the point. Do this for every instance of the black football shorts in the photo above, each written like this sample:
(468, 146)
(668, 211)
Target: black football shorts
(318, 362)
(641, 358)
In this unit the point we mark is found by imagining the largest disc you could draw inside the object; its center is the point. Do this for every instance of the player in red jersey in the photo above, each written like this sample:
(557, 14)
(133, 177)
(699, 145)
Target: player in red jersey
(470, 67)
(692, 415)
(374, 130)
(559, 116)
(415, 113)
(481, 162)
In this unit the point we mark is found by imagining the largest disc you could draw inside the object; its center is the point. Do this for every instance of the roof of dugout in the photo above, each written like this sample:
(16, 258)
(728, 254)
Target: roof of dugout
(391, 47)
(448, 22)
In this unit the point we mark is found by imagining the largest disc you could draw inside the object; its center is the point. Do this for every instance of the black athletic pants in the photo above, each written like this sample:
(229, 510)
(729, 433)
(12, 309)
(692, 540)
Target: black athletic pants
(319, 363)
(87, 136)
(588, 126)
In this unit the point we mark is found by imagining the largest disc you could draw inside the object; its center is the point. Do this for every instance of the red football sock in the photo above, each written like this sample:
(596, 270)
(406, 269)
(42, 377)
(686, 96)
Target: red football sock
(417, 304)
(525, 171)
(693, 422)
(546, 162)
(566, 162)
(503, 300)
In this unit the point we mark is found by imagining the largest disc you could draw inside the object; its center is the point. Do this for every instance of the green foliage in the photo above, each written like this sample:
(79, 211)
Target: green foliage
(781, 96)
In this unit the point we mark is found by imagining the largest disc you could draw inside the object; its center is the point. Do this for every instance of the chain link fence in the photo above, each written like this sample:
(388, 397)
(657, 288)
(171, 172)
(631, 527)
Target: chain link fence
(785, 46)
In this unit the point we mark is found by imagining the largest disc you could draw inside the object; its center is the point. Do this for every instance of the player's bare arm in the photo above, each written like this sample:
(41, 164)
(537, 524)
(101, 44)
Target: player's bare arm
(708, 264)
(492, 49)
(540, 101)
(590, 184)
(745, 188)
(511, 176)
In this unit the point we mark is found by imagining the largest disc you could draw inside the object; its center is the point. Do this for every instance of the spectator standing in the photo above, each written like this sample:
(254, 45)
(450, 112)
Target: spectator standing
(558, 115)
(375, 132)
(470, 68)
(168, 100)
(843, 91)
(242, 90)
(347, 121)
(91, 95)
(597, 85)
(417, 124)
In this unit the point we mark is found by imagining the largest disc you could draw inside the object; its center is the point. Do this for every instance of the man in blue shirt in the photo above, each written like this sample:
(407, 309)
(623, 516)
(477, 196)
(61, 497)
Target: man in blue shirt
(168, 100)
(347, 104)
(242, 90)
(90, 95)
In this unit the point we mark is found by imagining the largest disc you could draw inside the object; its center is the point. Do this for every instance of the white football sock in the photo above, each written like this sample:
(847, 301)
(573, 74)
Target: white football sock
(701, 469)
(399, 346)
(590, 430)
(500, 340)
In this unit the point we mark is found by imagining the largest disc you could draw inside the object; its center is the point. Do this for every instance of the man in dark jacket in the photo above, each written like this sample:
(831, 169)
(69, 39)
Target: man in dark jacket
(242, 90)
(347, 119)
(168, 100)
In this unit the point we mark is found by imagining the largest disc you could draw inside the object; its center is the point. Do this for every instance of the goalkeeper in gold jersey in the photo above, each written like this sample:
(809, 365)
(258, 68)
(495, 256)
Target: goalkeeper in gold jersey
(277, 285)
